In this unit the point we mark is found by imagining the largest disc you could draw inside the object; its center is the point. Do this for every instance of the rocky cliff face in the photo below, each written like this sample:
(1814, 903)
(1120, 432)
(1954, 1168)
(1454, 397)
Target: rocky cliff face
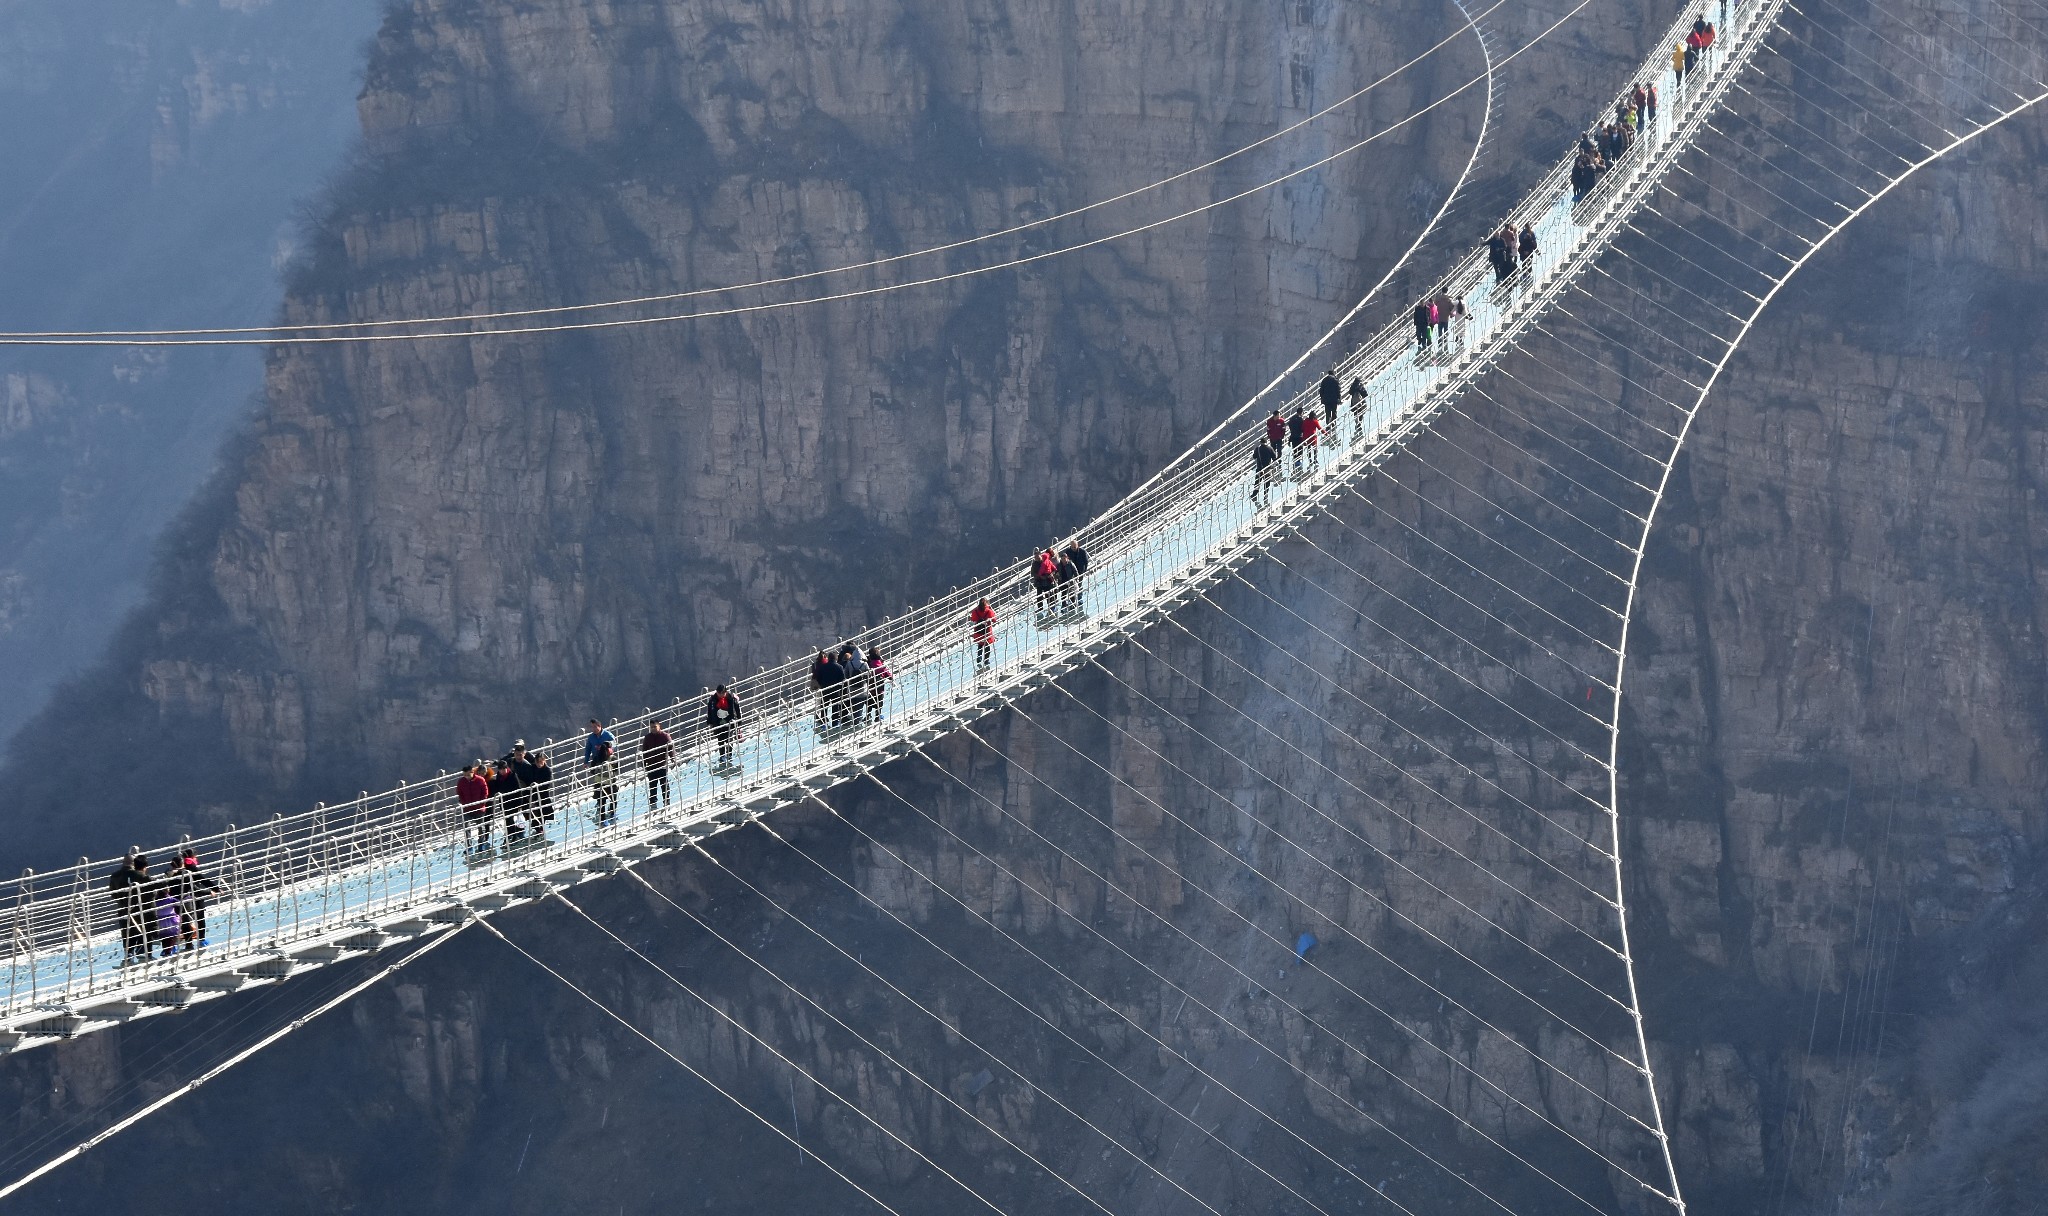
(1831, 757)
(156, 154)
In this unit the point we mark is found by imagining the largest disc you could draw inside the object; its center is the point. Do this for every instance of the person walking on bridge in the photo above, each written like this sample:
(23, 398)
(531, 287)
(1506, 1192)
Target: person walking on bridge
(1525, 248)
(505, 788)
(1295, 426)
(1077, 556)
(1276, 431)
(722, 717)
(541, 777)
(1311, 434)
(981, 622)
(1425, 320)
(1263, 459)
(1331, 391)
(1357, 394)
(824, 674)
(655, 748)
(601, 768)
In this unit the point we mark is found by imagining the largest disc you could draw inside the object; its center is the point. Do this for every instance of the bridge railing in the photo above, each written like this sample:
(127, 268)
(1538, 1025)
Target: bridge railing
(298, 876)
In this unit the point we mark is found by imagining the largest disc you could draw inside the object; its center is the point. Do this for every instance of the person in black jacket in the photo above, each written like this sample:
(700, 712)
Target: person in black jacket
(1331, 391)
(722, 714)
(1263, 459)
(532, 773)
(130, 886)
(853, 688)
(1357, 394)
(655, 747)
(1076, 557)
(511, 796)
(825, 674)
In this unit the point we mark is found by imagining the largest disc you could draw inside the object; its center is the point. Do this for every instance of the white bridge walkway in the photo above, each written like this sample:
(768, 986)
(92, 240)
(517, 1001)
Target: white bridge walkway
(388, 868)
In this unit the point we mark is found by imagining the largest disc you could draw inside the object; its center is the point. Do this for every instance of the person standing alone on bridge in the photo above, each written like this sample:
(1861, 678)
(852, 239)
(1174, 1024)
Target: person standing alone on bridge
(982, 623)
(655, 747)
(1331, 391)
(1263, 459)
(722, 718)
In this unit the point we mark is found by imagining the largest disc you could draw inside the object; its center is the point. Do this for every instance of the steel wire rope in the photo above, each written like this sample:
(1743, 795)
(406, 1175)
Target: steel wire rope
(1544, 327)
(1049, 965)
(1621, 659)
(1767, 104)
(1737, 144)
(1524, 48)
(1506, 667)
(1307, 1017)
(1471, 24)
(686, 1066)
(1586, 289)
(1641, 453)
(834, 297)
(181, 1050)
(1453, 407)
(1183, 465)
(1651, 298)
(1307, 854)
(127, 1121)
(1906, 51)
(1594, 329)
(1560, 739)
(1347, 830)
(1797, 150)
(1055, 1175)
(1989, 45)
(1433, 543)
(1764, 132)
(1631, 227)
(1559, 442)
(1538, 495)
(1430, 618)
(1504, 515)
(1799, 65)
(1453, 592)
(953, 1027)
(1355, 741)
(1282, 945)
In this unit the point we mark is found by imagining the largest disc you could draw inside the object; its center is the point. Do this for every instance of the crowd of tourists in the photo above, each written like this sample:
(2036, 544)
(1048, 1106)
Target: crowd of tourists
(165, 914)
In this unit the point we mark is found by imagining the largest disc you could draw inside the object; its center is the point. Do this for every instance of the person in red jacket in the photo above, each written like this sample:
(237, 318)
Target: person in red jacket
(473, 789)
(1276, 431)
(1311, 429)
(982, 622)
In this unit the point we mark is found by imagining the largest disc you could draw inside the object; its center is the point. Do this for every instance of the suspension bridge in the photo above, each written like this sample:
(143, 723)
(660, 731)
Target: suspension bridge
(1496, 563)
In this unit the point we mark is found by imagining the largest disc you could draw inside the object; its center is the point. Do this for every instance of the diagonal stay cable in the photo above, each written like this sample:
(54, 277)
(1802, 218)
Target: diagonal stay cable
(1342, 827)
(1329, 512)
(1534, 493)
(1454, 804)
(1412, 451)
(130, 1120)
(1055, 905)
(1504, 664)
(953, 1026)
(1281, 944)
(1433, 543)
(1293, 1007)
(1464, 409)
(899, 1065)
(686, 1066)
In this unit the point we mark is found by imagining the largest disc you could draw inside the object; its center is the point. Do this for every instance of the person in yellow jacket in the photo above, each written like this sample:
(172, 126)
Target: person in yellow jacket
(1678, 63)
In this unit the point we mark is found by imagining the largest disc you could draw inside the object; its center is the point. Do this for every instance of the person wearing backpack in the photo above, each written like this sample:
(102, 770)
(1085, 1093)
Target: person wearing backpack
(722, 716)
